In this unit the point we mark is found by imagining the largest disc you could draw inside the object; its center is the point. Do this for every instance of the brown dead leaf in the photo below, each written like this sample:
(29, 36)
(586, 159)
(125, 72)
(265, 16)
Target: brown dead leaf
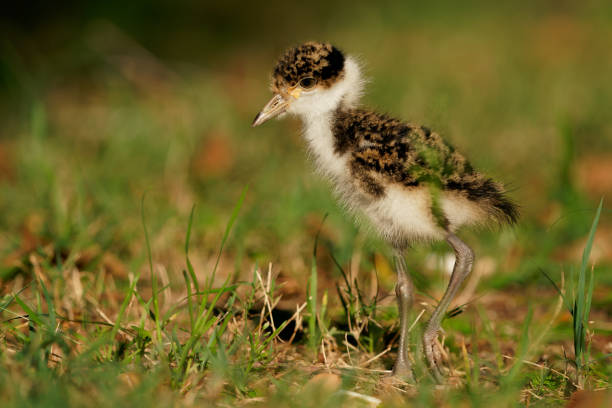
(31, 232)
(114, 266)
(590, 399)
(213, 158)
(594, 175)
(110, 262)
(30, 240)
(324, 382)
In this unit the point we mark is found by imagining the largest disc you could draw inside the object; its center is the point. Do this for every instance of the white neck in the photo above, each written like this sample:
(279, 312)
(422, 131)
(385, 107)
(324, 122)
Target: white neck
(316, 111)
(352, 83)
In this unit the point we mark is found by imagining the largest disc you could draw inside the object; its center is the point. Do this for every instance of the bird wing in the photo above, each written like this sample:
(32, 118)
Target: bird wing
(391, 150)
(384, 149)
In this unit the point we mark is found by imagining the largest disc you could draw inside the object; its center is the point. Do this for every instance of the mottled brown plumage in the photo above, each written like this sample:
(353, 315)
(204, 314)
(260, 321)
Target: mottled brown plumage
(386, 151)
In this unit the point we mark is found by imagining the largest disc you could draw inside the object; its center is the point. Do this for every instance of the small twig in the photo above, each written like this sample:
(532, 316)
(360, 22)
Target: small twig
(533, 394)
(440, 346)
(376, 357)
(298, 321)
(531, 363)
(324, 355)
(104, 316)
(265, 290)
(416, 320)
(348, 351)
(370, 370)
(372, 401)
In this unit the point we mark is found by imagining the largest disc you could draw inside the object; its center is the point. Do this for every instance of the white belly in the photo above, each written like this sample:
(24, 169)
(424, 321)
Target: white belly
(402, 213)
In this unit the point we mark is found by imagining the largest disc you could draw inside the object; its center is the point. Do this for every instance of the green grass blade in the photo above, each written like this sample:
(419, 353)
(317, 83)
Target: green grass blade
(228, 229)
(152, 272)
(589, 245)
(572, 289)
(12, 298)
(584, 296)
(50, 305)
(589, 296)
(126, 300)
(585, 258)
(227, 317)
(204, 320)
(568, 306)
(579, 317)
(189, 300)
(523, 349)
(340, 268)
(203, 323)
(311, 301)
(32, 315)
(194, 279)
(342, 301)
(489, 333)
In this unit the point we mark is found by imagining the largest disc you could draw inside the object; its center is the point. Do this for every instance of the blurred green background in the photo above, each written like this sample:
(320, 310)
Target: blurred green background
(118, 115)
(103, 103)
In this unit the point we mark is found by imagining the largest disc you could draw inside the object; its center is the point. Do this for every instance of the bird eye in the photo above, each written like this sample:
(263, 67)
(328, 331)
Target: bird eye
(307, 83)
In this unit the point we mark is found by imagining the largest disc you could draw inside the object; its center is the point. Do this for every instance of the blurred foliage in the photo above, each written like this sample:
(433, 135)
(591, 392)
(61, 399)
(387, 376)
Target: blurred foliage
(104, 102)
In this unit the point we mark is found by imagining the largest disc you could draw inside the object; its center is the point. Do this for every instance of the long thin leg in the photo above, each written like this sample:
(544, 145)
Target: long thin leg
(464, 258)
(404, 292)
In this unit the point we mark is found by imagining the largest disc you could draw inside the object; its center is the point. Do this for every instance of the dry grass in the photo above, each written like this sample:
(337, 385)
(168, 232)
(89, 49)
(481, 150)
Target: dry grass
(96, 312)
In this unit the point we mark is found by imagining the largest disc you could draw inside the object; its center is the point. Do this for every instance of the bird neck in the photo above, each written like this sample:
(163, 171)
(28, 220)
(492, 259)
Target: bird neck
(319, 134)
(351, 85)
(319, 119)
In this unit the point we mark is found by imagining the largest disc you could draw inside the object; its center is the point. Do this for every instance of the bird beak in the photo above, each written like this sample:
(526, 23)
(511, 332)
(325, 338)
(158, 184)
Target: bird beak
(275, 107)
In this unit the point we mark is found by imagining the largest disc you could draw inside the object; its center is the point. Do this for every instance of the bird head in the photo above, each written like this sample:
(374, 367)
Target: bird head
(311, 79)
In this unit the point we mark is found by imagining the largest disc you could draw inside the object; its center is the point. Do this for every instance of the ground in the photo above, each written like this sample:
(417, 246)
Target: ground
(154, 249)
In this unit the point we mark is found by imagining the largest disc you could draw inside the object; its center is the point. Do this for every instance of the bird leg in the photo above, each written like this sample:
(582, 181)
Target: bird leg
(404, 292)
(464, 258)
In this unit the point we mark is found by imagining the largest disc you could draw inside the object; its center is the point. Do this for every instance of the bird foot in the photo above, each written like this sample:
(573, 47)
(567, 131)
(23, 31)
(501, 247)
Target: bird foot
(433, 355)
(402, 370)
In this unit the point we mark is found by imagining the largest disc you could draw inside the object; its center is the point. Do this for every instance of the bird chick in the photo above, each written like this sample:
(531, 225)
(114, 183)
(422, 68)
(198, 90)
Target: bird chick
(405, 179)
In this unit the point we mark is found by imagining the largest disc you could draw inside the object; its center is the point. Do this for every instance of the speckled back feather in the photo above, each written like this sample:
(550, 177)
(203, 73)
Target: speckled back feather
(386, 150)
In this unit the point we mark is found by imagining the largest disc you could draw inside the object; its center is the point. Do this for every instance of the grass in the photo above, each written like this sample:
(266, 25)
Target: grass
(226, 347)
(137, 269)
(579, 304)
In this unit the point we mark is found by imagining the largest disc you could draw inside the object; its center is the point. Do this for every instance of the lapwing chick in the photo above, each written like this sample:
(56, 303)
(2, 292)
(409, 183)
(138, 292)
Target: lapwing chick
(410, 183)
